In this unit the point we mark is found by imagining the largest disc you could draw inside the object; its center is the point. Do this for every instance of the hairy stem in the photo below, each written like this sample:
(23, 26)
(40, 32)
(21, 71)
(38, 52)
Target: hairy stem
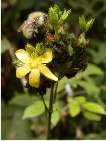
(50, 112)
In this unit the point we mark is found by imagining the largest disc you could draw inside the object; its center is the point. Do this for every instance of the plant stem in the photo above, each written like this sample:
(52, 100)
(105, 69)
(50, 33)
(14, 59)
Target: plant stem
(55, 92)
(46, 108)
(50, 111)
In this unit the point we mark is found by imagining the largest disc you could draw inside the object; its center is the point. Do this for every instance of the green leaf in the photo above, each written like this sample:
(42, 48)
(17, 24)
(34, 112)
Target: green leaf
(92, 70)
(64, 16)
(55, 117)
(34, 110)
(80, 99)
(61, 84)
(89, 87)
(53, 16)
(30, 49)
(56, 8)
(56, 113)
(82, 23)
(89, 24)
(91, 116)
(23, 100)
(94, 107)
(40, 49)
(74, 107)
(85, 26)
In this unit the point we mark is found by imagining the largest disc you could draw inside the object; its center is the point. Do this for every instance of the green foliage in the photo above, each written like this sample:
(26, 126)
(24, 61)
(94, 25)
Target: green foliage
(13, 127)
(90, 110)
(34, 110)
(64, 17)
(5, 45)
(53, 15)
(80, 99)
(85, 25)
(18, 100)
(94, 107)
(38, 50)
(56, 17)
(98, 51)
(56, 113)
(55, 118)
(87, 84)
(74, 107)
(91, 116)
(30, 49)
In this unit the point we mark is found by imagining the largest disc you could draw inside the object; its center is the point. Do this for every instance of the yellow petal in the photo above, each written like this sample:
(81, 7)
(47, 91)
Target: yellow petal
(22, 55)
(46, 72)
(46, 57)
(22, 71)
(34, 78)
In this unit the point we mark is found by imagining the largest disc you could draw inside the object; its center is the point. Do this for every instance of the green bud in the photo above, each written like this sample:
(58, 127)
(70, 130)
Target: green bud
(30, 49)
(40, 48)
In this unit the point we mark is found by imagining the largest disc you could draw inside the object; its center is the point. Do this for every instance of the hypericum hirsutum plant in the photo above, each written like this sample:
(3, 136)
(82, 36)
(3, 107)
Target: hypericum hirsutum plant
(51, 52)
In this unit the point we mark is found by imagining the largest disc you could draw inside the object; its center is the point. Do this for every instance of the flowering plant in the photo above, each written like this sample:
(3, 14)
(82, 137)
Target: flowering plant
(53, 47)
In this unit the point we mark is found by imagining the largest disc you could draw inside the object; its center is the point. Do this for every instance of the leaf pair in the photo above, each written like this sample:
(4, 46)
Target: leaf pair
(91, 110)
(85, 25)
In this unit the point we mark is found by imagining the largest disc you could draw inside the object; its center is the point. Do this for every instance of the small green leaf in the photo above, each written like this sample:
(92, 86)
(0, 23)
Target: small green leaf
(74, 107)
(34, 110)
(91, 116)
(80, 99)
(53, 16)
(40, 49)
(64, 17)
(56, 8)
(30, 49)
(82, 23)
(94, 107)
(85, 26)
(89, 24)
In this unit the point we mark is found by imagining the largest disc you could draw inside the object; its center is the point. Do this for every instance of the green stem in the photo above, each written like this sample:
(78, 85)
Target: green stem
(50, 112)
(46, 108)
(55, 92)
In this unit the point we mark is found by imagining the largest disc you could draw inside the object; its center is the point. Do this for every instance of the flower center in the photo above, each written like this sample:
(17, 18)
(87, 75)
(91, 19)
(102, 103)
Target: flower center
(34, 64)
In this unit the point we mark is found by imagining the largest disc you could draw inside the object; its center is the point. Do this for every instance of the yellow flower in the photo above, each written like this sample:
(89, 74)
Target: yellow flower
(34, 65)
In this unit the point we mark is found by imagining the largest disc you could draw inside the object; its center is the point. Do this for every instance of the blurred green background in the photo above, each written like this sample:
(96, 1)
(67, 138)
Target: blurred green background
(91, 84)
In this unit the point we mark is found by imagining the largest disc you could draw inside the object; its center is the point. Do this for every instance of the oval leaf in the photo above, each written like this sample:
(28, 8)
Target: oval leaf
(55, 117)
(80, 99)
(34, 110)
(91, 116)
(74, 107)
(94, 107)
